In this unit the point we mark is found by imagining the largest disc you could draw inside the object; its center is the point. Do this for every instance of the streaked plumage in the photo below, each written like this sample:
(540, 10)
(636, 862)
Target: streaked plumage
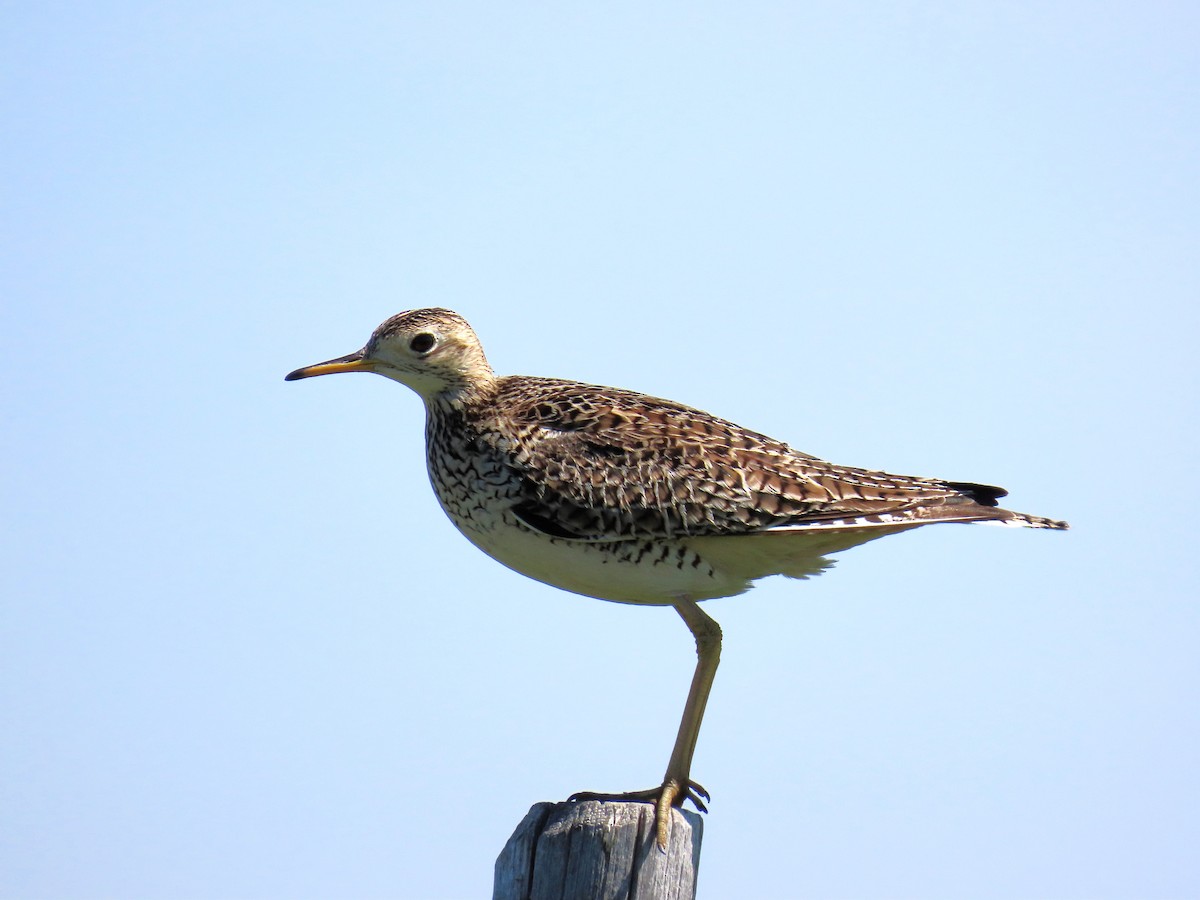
(614, 494)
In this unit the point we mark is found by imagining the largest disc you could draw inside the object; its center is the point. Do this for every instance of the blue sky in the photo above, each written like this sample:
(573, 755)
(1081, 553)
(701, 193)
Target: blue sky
(242, 653)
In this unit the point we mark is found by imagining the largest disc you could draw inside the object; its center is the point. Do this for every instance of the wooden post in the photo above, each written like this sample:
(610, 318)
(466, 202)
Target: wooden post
(598, 851)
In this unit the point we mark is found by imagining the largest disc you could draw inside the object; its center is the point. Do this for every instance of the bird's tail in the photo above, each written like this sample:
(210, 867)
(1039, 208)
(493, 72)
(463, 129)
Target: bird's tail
(1022, 520)
(988, 495)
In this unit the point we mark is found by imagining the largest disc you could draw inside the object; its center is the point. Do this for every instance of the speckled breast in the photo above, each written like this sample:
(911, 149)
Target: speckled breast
(478, 485)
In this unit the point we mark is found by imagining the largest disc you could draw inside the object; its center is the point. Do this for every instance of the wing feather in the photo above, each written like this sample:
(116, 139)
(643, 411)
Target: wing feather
(606, 464)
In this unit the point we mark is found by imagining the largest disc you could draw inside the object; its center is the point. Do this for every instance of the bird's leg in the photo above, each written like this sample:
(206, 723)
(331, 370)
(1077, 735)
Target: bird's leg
(677, 785)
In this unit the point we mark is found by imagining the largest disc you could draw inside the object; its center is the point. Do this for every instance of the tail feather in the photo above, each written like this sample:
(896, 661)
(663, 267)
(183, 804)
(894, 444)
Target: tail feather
(1022, 520)
(983, 494)
(987, 495)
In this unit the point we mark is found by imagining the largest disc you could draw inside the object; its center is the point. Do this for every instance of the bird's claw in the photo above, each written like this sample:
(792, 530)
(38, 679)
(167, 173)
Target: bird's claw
(694, 792)
(671, 792)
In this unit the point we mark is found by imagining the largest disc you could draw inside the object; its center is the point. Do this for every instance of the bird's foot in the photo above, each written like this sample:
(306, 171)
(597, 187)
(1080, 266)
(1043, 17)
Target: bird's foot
(672, 792)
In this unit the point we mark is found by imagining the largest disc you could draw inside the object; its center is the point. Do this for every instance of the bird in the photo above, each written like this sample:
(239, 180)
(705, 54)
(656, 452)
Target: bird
(621, 496)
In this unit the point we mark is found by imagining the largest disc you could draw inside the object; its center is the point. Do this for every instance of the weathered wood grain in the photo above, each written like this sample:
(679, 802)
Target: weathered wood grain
(598, 851)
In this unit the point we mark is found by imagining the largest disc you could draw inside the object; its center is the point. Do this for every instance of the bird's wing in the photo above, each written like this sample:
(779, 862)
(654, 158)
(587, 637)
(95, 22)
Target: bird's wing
(603, 464)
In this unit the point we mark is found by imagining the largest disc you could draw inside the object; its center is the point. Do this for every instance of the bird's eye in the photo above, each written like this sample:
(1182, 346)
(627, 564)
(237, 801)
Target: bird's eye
(422, 343)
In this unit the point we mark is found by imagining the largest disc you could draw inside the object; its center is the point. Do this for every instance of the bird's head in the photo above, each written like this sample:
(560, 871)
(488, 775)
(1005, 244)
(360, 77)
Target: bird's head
(433, 351)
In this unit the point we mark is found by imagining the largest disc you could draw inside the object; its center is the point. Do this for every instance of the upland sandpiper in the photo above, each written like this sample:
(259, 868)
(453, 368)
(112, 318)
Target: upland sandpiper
(614, 494)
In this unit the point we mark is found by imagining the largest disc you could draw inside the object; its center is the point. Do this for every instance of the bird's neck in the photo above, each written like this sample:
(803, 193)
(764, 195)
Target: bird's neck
(459, 395)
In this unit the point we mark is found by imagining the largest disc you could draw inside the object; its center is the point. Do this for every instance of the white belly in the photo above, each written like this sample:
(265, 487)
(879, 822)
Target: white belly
(626, 572)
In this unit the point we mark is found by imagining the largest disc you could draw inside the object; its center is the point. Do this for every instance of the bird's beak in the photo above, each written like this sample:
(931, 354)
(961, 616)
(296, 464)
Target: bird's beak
(355, 362)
